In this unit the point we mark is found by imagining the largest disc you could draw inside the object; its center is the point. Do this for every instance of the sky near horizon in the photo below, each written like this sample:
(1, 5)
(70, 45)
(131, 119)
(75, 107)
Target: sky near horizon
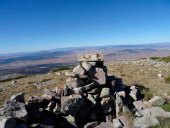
(32, 25)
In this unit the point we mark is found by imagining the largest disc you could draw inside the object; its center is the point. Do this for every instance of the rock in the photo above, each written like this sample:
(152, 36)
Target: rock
(79, 70)
(124, 120)
(51, 94)
(13, 83)
(121, 93)
(92, 63)
(156, 100)
(145, 122)
(16, 110)
(18, 97)
(8, 122)
(70, 74)
(119, 105)
(71, 104)
(92, 99)
(133, 87)
(139, 105)
(105, 92)
(117, 123)
(86, 66)
(135, 93)
(100, 76)
(71, 120)
(159, 75)
(85, 88)
(107, 105)
(21, 114)
(91, 124)
(74, 82)
(90, 57)
(155, 111)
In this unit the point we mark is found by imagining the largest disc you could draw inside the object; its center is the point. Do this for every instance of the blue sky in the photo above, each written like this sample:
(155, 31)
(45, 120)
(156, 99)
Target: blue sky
(31, 25)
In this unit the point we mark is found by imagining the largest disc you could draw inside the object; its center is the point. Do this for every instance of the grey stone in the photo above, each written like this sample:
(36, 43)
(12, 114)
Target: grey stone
(15, 109)
(86, 88)
(74, 82)
(91, 98)
(71, 104)
(145, 122)
(155, 111)
(86, 66)
(105, 92)
(21, 114)
(117, 123)
(107, 105)
(19, 97)
(119, 105)
(92, 63)
(79, 70)
(156, 100)
(8, 122)
(71, 120)
(91, 124)
(133, 93)
(100, 76)
(90, 57)
(51, 94)
(139, 105)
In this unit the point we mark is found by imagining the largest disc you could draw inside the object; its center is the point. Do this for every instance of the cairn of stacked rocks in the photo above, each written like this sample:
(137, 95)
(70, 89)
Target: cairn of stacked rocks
(89, 98)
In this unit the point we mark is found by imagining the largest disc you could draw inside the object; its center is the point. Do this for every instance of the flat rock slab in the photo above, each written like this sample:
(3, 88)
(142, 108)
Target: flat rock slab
(90, 57)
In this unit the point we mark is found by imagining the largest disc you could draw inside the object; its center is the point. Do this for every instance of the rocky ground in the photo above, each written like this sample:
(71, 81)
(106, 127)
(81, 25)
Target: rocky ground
(147, 75)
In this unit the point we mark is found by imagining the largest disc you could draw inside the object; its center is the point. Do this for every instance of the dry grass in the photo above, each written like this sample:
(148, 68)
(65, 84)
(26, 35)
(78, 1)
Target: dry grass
(144, 74)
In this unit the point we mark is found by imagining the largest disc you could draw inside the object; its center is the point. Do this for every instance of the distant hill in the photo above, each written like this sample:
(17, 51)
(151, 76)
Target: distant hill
(23, 63)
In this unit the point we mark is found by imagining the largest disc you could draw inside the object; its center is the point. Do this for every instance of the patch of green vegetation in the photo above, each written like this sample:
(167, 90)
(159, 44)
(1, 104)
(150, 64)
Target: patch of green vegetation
(164, 59)
(166, 107)
(154, 58)
(167, 79)
(61, 69)
(164, 123)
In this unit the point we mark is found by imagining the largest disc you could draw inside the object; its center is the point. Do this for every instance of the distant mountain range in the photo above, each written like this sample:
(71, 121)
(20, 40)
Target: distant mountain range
(13, 63)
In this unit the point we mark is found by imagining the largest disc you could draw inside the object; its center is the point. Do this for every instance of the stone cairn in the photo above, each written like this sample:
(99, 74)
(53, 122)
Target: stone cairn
(89, 97)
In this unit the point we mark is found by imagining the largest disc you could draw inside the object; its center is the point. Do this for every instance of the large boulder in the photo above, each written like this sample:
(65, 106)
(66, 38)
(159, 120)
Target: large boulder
(71, 104)
(90, 57)
(86, 66)
(139, 105)
(121, 122)
(74, 82)
(119, 105)
(100, 76)
(105, 92)
(8, 122)
(19, 97)
(157, 101)
(79, 70)
(145, 122)
(155, 111)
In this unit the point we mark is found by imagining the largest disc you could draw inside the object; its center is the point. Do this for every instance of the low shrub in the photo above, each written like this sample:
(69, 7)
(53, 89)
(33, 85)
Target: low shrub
(167, 79)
